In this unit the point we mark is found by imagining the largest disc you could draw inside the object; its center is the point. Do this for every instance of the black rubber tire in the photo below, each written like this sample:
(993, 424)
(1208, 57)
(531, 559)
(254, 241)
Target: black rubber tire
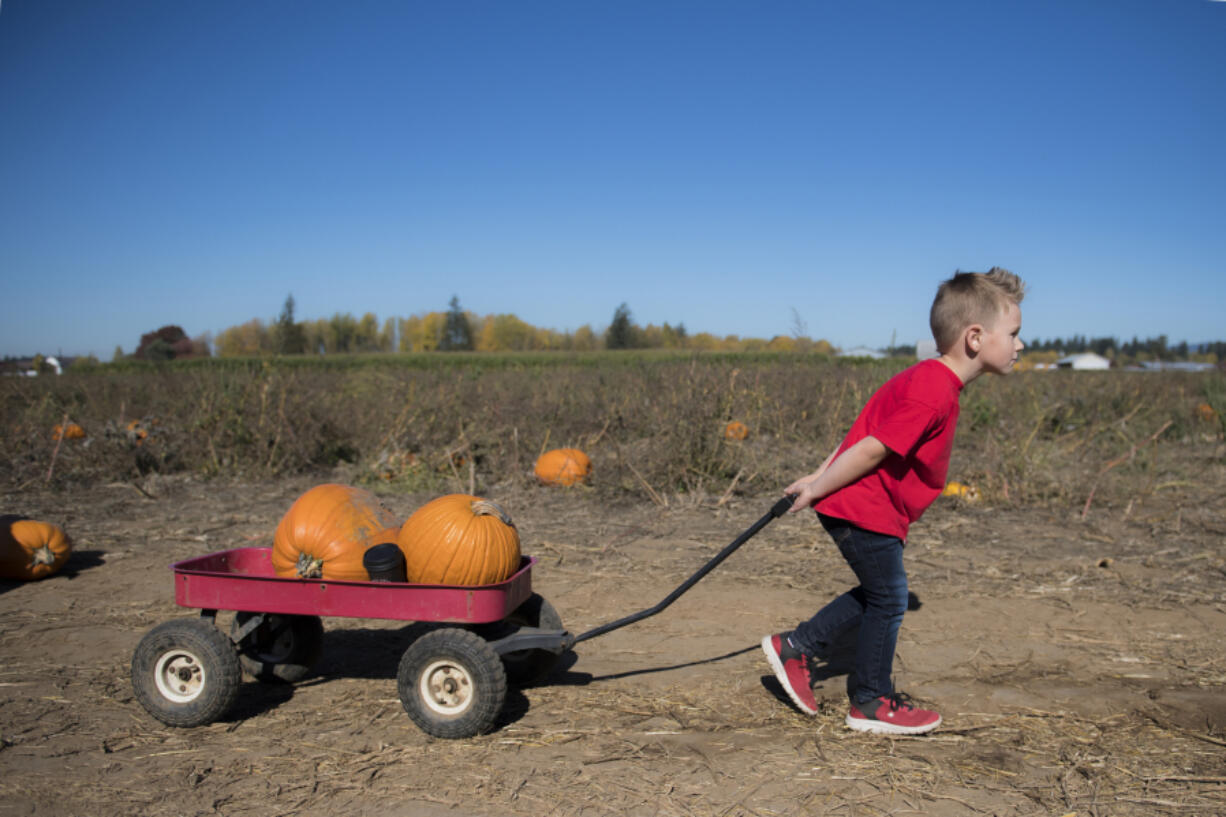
(525, 668)
(283, 649)
(185, 672)
(452, 683)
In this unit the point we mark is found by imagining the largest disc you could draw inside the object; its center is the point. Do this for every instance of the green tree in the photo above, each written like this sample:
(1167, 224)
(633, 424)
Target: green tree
(620, 334)
(290, 337)
(158, 349)
(457, 331)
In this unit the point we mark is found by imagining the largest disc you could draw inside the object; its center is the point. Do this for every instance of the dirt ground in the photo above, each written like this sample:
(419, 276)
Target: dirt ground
(1079, 665)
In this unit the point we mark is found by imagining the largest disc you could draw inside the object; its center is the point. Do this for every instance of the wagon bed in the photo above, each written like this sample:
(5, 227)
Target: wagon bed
(243, 579)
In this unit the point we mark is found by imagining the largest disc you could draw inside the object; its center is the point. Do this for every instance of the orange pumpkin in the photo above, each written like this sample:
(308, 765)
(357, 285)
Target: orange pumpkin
(956, 489)
(459, 540)
(1206, 412)
(137, 433)
(30, 549)
(72, 431)
(327, 530)
(562, 466)
(736, 430)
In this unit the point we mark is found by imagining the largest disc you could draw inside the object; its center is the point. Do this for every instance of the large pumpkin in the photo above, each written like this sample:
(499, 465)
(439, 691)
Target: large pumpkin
(562, 466)
(459, 540)
(326, 532)
(30, 549)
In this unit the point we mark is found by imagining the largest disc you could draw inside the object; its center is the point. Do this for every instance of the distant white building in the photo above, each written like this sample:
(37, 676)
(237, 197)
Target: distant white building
(1176, 365)
(925, 349)
(1085, 360)
(862, 351)
(26, 368)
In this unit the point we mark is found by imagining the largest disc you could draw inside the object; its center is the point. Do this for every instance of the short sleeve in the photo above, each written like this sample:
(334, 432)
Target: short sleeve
(903, 428)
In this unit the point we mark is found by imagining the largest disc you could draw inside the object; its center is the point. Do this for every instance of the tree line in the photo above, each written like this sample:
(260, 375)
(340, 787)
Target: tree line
(458, 329)
(1156, 348)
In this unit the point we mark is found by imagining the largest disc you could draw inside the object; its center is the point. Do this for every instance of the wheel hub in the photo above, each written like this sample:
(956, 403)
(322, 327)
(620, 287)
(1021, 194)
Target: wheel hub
(179, 676)
(446, 688)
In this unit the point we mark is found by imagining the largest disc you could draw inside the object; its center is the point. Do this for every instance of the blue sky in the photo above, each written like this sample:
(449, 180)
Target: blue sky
(717, 164)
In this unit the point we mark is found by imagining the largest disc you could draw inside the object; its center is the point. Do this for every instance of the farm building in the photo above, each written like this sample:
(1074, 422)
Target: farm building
(862, 351)
(1176, 366)
(1085, 360)
(28, 367)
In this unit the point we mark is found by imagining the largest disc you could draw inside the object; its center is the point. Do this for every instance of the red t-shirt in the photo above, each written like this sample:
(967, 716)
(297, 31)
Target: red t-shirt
(915, 415)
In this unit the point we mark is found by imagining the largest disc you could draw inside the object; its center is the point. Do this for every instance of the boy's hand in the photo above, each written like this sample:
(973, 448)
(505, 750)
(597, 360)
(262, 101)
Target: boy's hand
(804, 493)
(804, 489)
(836, 472)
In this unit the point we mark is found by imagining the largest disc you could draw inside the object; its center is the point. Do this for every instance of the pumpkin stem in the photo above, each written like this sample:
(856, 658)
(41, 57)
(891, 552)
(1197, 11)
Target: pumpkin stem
(309, 567)
(484, 507)
(42, 556)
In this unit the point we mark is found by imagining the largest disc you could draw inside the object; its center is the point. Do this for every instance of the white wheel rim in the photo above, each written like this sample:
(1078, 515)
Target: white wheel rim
(179, 676)
(446, 687)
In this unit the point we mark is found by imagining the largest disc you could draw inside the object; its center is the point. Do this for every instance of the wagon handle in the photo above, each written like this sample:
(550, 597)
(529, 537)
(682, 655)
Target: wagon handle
(780, 508)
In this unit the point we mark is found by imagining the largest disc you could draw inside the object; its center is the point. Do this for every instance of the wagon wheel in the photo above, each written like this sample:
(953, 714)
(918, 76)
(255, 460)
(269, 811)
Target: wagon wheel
(282, 648)
(185, 672)
(526, 667)
(452, 683)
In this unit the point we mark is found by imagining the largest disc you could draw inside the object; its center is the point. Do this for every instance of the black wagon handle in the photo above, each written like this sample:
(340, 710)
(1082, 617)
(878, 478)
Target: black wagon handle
(779, 509)
(558, 641)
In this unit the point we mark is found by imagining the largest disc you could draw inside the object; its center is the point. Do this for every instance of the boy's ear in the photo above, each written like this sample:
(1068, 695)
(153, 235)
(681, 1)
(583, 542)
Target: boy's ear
(973, 336)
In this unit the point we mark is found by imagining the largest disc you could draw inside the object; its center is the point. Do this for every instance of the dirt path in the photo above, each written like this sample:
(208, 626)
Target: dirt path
(1079, 666)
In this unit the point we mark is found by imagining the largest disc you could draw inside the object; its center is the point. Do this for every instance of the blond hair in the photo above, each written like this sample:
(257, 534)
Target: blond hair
(972, 297)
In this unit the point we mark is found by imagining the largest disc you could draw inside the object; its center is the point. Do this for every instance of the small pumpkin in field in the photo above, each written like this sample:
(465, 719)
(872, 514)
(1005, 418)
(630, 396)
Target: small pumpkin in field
(1206, 412)
(326, 532)
(459, 539)
(956, 489)
(736, 430)
(72, 431)
(30, 549)
(137, 432)
(562, 466)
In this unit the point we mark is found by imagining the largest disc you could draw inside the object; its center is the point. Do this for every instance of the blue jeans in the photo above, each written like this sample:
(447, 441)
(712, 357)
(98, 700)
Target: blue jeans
(877, 605)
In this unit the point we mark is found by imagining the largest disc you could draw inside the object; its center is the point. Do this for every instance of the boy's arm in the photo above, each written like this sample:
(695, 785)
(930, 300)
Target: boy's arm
(833, 474)
(821, 469)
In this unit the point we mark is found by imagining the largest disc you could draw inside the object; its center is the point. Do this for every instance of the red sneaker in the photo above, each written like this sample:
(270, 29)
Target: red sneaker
(892, 715)
(791, 667)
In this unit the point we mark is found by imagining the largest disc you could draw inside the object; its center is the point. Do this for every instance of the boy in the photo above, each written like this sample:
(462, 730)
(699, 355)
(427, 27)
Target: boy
(888, 470)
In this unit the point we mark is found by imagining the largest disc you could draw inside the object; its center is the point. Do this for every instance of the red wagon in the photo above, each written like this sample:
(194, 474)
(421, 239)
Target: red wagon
(452, 678)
